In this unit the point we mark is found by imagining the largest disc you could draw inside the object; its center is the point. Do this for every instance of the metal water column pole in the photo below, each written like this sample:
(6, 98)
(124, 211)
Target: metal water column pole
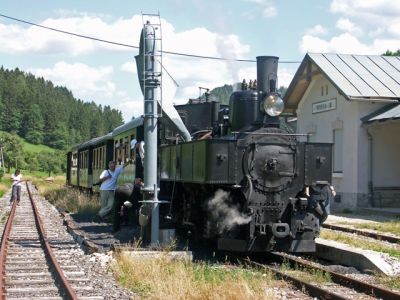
(151, 94)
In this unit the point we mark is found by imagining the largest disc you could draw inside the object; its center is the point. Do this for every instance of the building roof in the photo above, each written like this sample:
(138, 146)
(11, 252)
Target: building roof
(388, 112)
(357, 77)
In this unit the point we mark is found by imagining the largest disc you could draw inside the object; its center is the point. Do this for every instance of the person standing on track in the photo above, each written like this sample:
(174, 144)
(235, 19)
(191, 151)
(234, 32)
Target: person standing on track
(16, 186)
(108, 179)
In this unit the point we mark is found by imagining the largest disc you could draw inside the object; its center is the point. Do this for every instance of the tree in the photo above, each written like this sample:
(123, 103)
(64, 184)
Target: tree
(32, 125)
(48, 162)
(392, 53)
(12, 149)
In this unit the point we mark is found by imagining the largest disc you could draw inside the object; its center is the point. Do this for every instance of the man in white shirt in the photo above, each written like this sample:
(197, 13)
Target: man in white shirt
(16, 186)
(108, 179)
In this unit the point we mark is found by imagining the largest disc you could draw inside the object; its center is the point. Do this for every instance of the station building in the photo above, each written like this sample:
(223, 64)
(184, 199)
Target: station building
(353, 101)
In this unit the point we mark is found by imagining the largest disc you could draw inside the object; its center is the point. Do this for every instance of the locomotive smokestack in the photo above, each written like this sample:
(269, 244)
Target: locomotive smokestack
(267, 70)
(267, 75)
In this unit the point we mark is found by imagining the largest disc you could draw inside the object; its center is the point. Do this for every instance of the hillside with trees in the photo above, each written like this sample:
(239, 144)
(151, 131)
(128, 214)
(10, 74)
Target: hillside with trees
(42, 113)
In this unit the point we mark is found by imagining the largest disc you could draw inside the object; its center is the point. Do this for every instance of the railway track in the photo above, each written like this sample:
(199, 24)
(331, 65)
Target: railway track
(374, 235)
(34, 265)
(343, 287)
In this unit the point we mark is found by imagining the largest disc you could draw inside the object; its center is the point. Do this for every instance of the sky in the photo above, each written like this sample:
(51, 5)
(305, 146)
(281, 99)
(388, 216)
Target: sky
(236, 29)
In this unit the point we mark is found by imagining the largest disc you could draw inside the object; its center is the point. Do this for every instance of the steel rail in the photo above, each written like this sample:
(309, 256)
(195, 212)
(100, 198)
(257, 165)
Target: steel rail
(3, 249)
(377, 236)
(62, 280)
(311, 289)
(357, 285)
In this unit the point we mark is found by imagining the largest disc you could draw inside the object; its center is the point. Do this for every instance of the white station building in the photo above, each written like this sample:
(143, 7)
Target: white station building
(353, 101)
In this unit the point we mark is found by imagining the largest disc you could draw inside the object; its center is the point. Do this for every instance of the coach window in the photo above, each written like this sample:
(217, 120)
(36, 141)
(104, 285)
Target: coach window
(338, 151)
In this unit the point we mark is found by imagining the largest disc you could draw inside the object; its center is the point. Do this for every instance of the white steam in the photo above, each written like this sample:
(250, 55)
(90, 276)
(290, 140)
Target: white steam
(224, 215)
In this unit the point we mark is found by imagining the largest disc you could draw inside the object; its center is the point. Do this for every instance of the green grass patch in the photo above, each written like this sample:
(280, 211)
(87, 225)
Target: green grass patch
(71, 200)
(163, 278)
(359, 242)
(4, 217)
(391, 282)
(384, 227)
(28, 147)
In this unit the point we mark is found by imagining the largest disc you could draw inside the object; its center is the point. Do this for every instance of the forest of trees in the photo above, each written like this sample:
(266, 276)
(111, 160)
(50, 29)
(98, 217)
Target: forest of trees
(42, 113)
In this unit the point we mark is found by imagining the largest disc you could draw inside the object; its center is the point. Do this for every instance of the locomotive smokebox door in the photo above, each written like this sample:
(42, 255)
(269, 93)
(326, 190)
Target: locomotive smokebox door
(317, 163)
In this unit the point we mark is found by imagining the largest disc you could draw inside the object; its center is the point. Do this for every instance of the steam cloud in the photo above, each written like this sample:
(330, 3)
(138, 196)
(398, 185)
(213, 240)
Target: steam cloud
(224, 214)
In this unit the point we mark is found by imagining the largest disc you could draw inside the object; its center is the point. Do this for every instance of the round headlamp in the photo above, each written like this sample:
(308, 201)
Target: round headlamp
(273, 105)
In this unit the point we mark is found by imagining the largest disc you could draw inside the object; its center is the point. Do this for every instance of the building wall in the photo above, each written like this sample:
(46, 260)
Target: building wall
(386, 172)
(352, 182)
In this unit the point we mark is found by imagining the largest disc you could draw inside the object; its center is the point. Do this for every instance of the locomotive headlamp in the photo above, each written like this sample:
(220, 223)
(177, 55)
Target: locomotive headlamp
(273, 105)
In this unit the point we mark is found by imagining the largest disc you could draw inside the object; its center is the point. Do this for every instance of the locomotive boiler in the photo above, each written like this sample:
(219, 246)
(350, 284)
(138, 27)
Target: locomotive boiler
(244, 181)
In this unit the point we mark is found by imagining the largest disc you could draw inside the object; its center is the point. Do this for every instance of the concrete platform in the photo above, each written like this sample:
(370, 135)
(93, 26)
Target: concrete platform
(97, 237)
(364, 260)
(169, 255)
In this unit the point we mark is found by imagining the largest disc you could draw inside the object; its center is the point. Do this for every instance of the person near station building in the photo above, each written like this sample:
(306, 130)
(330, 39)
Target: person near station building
(127, 199)
(16, 186)
(108, 179)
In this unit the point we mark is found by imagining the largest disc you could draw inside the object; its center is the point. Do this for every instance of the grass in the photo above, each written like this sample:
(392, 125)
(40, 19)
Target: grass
(5, 184)
(4, 217)
(359, 242)
(163, 278)
(54, 190)
(391, 282)
(35, 148)
(384, 227)
(70, 200)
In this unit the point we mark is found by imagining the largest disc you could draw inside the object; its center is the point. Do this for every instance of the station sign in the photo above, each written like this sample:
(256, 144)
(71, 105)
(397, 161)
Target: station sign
(324, 106)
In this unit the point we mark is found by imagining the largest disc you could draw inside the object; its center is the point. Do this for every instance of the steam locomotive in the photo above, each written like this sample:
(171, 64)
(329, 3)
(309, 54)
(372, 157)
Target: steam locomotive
(243, 180)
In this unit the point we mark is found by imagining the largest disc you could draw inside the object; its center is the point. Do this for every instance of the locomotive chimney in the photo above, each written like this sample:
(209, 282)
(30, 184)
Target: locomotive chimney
(267, 75)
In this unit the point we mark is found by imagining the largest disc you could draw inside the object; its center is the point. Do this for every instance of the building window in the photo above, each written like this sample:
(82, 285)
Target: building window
(326, 90)
(322, 90)
(338, 151)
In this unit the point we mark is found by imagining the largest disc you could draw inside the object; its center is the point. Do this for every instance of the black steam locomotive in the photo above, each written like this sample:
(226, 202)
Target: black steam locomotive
(243, 181)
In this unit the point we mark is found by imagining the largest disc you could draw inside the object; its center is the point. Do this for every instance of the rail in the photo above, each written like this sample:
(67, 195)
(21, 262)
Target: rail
(357, 285)
(64, 286)
(374, 235)
(3, 249)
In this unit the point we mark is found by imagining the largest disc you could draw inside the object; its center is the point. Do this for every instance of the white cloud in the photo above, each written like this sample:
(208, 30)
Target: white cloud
(129, 66)
(267, 7)
(15, 39)
(347, 44)
(317, 30)
(131, 107)
(97, 83)
(368, 27)
(348, 26)
(89, 83)
(385, 8)
(373, 16)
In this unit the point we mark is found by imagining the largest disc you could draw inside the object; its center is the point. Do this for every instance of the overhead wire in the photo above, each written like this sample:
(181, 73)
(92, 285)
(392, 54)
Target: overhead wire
(133, 46)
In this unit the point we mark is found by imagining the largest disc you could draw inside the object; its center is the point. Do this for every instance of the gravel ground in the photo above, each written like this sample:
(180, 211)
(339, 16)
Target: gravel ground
(95, 266)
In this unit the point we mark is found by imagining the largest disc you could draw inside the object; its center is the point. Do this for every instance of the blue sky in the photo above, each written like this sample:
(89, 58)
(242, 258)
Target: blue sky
(235, 29)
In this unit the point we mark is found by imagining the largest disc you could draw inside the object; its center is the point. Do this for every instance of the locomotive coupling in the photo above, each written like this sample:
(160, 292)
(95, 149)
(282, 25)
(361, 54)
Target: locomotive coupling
(280, 230)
